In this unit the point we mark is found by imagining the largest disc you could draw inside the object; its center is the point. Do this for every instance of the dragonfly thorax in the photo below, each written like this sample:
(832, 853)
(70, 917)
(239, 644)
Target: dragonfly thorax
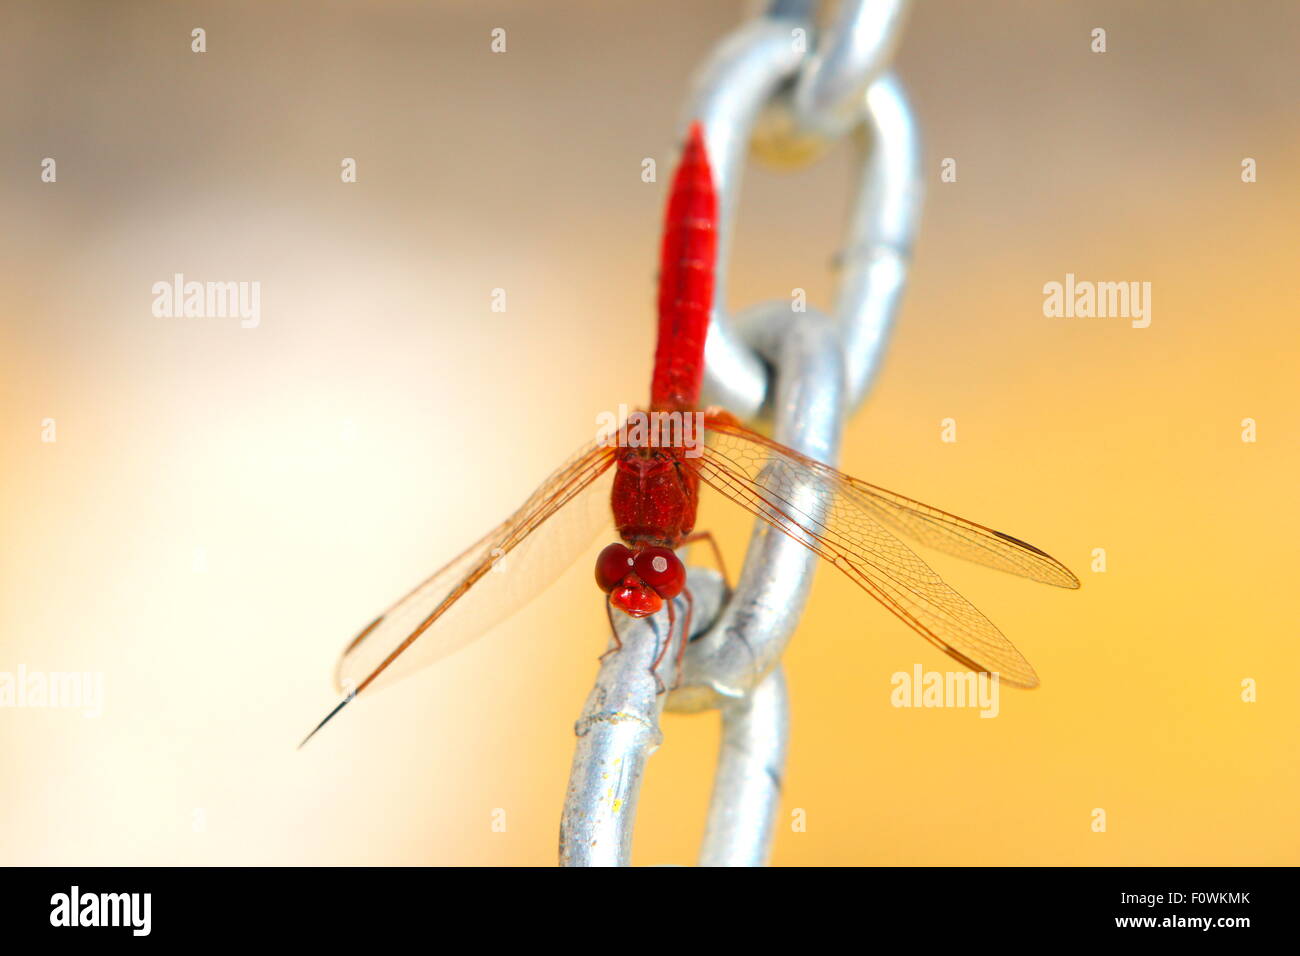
(654, 496)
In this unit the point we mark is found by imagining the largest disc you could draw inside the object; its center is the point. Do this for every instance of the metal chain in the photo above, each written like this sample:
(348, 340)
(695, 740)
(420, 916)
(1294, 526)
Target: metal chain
(779, 87)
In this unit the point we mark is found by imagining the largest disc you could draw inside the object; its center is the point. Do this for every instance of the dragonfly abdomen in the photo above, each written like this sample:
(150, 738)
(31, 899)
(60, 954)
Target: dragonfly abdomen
(686, 280)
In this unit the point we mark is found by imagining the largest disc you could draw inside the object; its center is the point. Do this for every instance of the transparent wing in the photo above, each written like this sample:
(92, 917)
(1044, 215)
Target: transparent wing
(500, 574)
(964, 539)
(844, 521)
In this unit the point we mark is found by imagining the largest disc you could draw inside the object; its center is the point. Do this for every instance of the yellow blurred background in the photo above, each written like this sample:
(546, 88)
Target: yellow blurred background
(224, 508)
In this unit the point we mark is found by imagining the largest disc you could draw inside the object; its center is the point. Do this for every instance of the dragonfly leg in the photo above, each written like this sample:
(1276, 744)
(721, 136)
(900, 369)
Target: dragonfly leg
(613, 632)
(686, 633)
(668, 639)
(717, 552)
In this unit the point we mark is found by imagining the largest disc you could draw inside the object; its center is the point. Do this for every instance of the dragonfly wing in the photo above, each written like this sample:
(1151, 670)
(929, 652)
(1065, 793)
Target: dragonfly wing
(963, 539)
(825, 511)
(490, 581)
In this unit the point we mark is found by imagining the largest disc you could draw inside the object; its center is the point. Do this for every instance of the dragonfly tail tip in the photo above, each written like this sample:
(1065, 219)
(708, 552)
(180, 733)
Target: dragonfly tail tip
(328, 717)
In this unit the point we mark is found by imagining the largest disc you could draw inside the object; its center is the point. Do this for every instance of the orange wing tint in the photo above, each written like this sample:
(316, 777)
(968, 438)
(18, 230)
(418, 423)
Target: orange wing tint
(490, 581)
(848, 523)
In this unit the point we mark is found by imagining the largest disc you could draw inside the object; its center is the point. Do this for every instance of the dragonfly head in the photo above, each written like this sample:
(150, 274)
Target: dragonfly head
(638, 580)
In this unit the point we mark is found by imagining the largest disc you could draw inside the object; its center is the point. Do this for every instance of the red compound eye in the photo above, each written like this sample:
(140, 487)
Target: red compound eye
(661, 569)
(612, 566)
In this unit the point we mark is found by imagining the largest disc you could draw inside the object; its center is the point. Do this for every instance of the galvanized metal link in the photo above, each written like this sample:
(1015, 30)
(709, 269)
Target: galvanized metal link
(760, 72)
(619, 728)
(747, 784)
(827, 97)
(749, 636)
(778, 87)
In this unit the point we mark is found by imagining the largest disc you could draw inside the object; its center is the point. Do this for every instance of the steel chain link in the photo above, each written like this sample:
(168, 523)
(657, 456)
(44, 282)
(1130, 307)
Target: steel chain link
(786, 91)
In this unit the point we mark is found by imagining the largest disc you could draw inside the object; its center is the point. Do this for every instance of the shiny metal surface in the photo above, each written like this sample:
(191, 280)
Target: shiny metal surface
(878, 247)
(827, 97)
(746, 642)
(747, 784)
(741, 76)
(619, 729)
(803, 372)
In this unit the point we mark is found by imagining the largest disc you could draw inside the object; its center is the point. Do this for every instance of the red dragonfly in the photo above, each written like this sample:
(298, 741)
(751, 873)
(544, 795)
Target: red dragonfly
(652, 488)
